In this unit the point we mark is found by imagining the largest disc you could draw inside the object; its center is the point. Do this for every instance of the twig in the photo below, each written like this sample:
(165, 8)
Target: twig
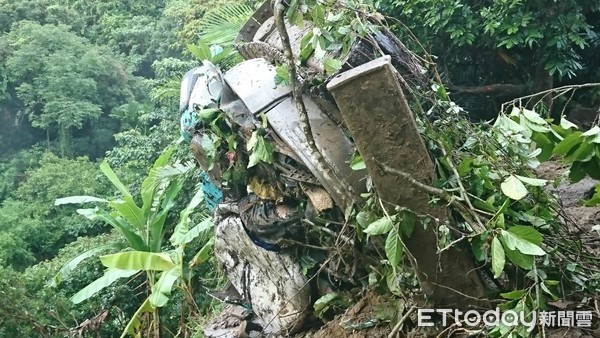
(568, 87)
(463, 191)
(451, 244)
(401, 321)
(465, 212)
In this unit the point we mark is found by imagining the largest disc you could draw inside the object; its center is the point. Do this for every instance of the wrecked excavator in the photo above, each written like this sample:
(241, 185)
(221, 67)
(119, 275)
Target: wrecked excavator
(266, 184)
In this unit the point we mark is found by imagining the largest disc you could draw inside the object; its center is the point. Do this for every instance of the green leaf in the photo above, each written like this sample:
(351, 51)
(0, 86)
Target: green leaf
(151, 182)
(110, 276)
(532, 181)
(357, 163)
(513, 188)
(112, 177)
(593, 132)
(162, 289)
(408, 222)
(566, 124)
(595, 199)
(322, 304)
(332, 65)
(533, 116)
(261, 151)
(78, 200)
(138, 260)
(133, 239)
(516, 294)
(498, 258)
(202, 51)
(513, 241)
(182, 228)
(577, 171)
(157, 229)
(203, 254)
(527, 233)
(567, 144)
(66, 270)
(130, 212)
(519, 259)
(393, 247)
(197, 230)
(134, 322)
(379, 227)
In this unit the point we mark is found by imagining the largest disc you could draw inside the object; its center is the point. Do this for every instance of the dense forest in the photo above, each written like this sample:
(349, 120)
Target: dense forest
(89, 91)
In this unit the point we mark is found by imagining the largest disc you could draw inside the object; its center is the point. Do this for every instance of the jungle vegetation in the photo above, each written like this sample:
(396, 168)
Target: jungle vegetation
(88, 107)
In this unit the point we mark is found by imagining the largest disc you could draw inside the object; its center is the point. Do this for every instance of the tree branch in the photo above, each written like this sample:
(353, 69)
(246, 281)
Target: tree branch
(499, 88)
(323, 166)
(466, 213)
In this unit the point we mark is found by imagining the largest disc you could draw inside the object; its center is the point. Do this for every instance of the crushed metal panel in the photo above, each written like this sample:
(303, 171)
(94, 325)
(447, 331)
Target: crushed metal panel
(330, 139)
(254, 83)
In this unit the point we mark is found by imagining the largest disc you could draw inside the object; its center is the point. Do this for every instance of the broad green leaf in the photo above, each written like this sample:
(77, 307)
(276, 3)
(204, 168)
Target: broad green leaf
(533, 117)
(135, 241)
(203, 254)
(393, 247)
(150, 183)
(577, 171)
(157, 228)
(182, 228)
(583, 153)
(519, 259)
(567, 144)
(138, 260)
(537, 127)
(408, 222)
(197, 230)
(202, 51)
(162, 289)
(379, 227)
(517, 294)
(513, 241)
(498, 258)
(134, 323)
(532, 181)
(110, 276)
(527, 233)
(547, 291)
(595, 199)
(506, 123)
(78, 200)
(332, 65)
(252, 142)
(357, 163)
(130, 212)
(513, 188)
(66, 270)
(262, 151)
(112, 177)
(321, 305)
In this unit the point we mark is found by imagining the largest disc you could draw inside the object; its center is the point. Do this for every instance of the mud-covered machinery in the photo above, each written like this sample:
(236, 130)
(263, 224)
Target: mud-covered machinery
(228, 117)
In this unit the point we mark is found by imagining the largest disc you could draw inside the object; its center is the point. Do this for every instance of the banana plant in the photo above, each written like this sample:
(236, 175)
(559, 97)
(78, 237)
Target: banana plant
(143, 229)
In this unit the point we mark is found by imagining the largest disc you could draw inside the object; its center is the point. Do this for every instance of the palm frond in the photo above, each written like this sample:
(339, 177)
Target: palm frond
(221, 25)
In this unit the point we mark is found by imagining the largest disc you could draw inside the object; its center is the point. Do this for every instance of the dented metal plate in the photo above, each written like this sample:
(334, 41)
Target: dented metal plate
(254, 83)
(330, 139)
